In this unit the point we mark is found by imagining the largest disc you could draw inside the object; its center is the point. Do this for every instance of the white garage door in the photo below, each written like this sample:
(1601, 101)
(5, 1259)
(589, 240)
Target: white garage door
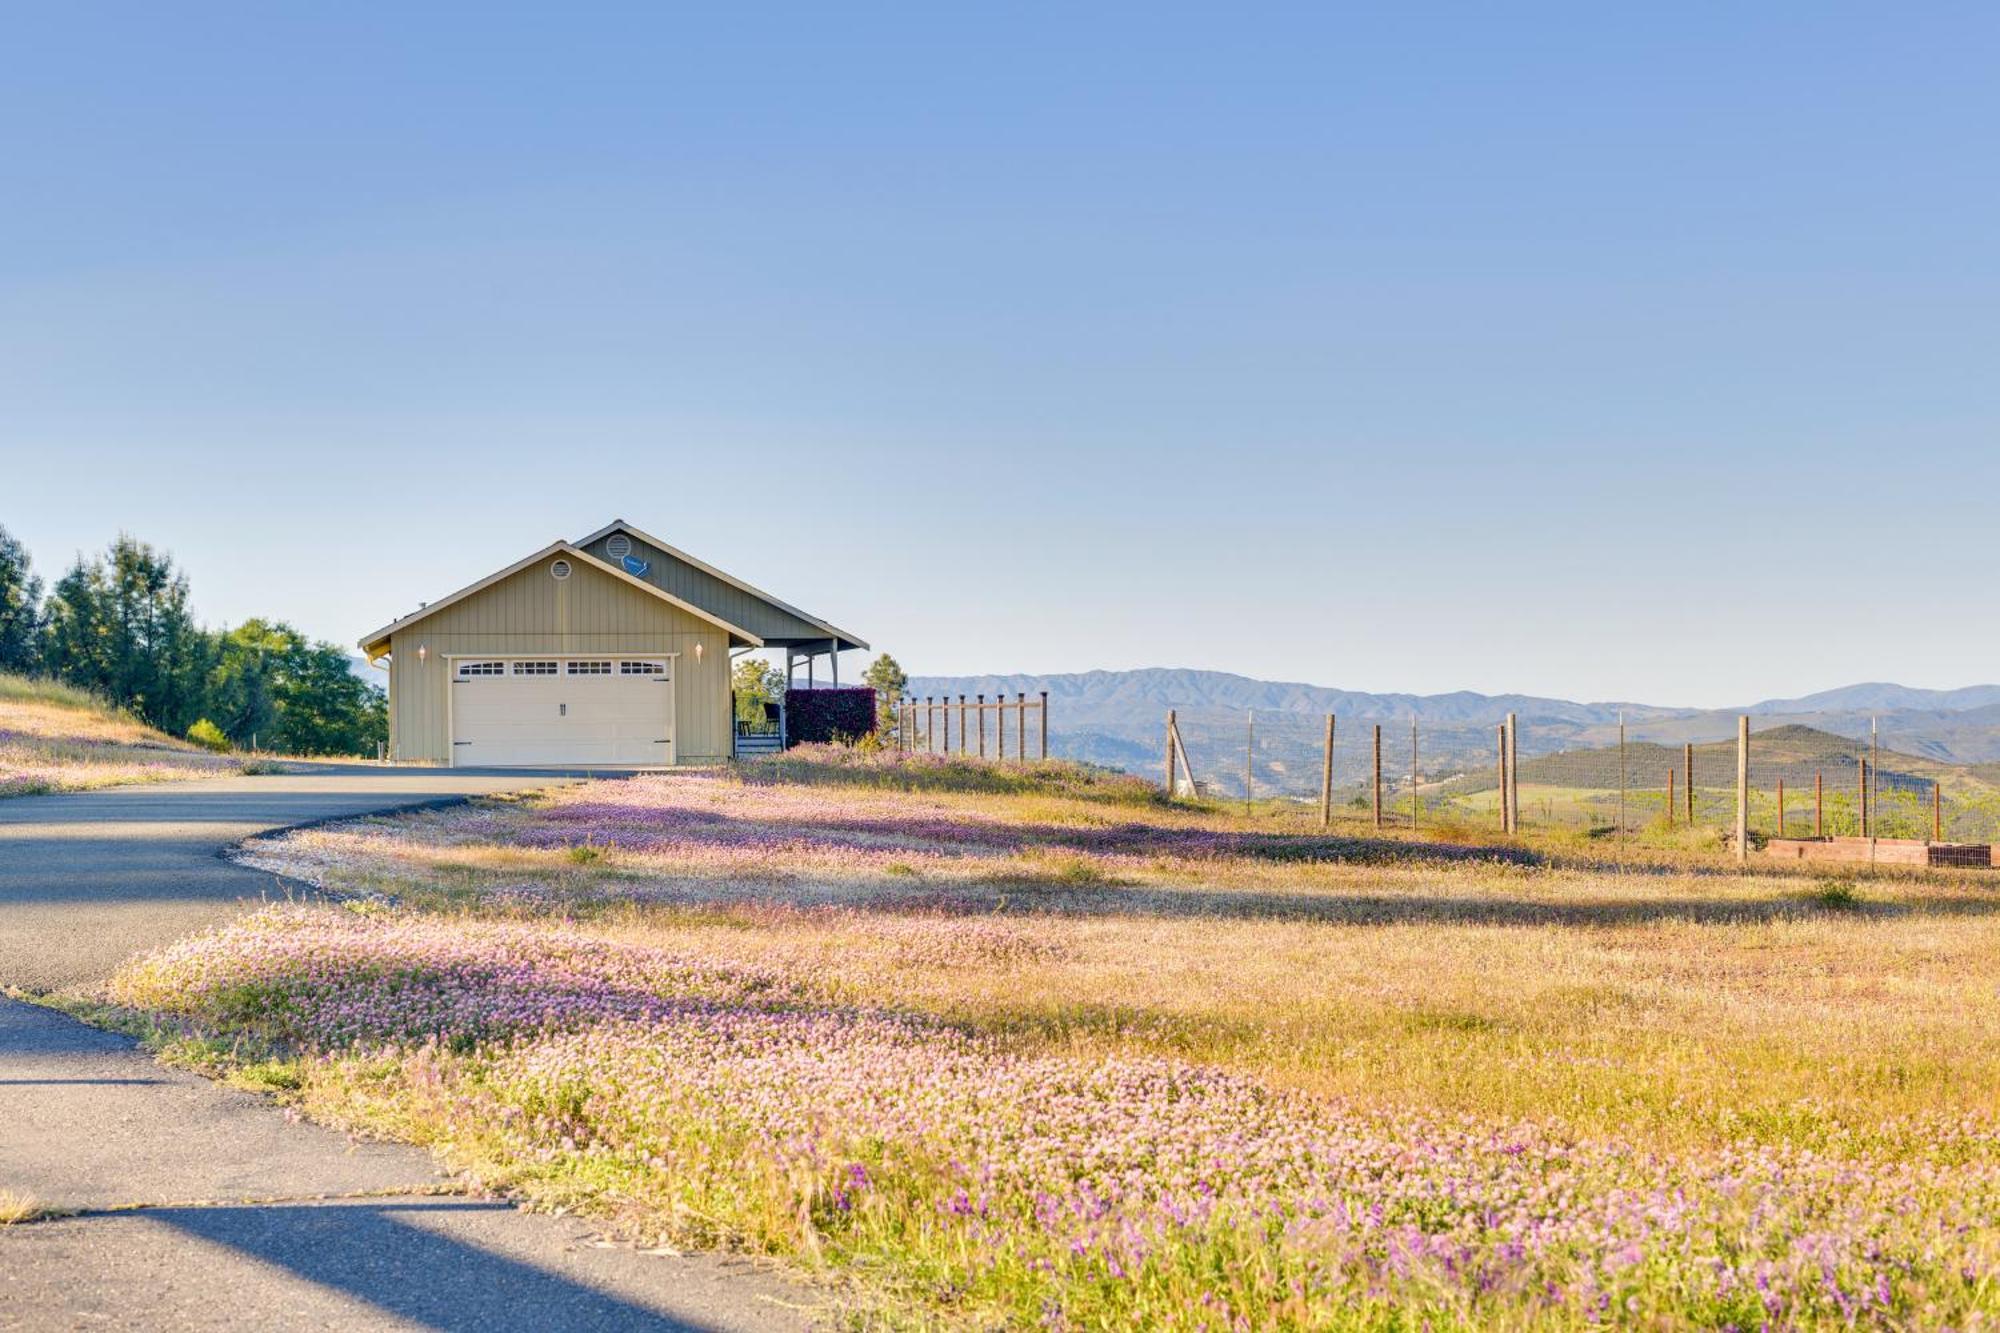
(530, 712)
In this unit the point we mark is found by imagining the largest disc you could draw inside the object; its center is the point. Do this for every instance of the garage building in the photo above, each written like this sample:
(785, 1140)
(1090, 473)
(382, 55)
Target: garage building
(612, 651)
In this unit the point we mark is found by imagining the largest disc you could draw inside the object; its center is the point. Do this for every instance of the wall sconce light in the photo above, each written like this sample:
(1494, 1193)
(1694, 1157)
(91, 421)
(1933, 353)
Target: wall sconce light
(697, 650)
(423, 651)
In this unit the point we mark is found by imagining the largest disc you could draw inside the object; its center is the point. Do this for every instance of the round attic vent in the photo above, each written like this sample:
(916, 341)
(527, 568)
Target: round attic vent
(560, 569)
(618, 547)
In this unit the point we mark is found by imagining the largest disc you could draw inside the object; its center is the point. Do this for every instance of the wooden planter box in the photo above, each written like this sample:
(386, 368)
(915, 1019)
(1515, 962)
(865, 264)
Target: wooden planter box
(1882, 851)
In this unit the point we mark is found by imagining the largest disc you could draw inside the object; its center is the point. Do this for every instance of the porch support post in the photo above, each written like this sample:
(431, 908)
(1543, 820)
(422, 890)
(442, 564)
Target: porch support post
(833, 654)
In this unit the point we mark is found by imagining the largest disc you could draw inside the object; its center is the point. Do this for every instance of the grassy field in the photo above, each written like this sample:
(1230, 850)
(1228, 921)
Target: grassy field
(54, 738)
(1011, 1046)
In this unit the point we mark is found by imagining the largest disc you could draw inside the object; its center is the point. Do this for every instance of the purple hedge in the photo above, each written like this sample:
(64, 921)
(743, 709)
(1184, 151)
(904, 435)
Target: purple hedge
(822, 715)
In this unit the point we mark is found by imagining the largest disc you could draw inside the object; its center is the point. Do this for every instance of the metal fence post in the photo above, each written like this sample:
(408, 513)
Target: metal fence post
(1861, 791)
(1413, 775)
(1249, 757)
(1621, 777)
(1743, 788)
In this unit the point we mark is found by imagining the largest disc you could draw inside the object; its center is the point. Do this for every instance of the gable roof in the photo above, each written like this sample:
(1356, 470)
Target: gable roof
(831, 631)
(380, 637)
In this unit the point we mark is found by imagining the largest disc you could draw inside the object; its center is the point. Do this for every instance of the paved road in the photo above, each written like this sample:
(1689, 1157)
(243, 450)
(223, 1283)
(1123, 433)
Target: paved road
(89, 879)
(200, 1207)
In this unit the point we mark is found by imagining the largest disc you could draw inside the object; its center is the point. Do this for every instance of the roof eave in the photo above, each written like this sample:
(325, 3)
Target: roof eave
(618, 525)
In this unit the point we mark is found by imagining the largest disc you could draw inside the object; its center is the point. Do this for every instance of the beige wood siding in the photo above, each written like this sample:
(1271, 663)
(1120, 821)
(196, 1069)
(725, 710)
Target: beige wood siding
(718, 597)
(531, 612)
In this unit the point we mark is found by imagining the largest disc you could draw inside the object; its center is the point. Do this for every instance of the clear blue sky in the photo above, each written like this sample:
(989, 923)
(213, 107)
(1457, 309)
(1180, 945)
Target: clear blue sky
(1600, 350)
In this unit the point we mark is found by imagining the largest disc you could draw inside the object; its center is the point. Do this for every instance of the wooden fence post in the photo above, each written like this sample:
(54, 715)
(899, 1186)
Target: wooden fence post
(1743, 788)
(1045, 724)
(1169, 788)
(982, 726)
(1021, 725)
(1687, 762)
(1378, 775)
(1513, 774)
(961, 724)
(1326, 778)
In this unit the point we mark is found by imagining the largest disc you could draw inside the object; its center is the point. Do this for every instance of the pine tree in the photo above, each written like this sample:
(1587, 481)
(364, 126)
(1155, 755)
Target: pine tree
(888, 679)
(20, 608)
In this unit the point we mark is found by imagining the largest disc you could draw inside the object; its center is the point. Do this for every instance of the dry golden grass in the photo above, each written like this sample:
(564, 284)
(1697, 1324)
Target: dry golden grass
(1666, 1000)
(1640, 1086)
(56, 738)
(16, 1207)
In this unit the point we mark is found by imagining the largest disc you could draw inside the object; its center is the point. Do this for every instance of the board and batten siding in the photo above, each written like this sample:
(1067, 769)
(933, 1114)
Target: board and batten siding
(531, 612)
(718, 596)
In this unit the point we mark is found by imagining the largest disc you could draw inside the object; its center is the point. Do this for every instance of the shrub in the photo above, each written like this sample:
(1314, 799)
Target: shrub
(821, 716)
(208, 736)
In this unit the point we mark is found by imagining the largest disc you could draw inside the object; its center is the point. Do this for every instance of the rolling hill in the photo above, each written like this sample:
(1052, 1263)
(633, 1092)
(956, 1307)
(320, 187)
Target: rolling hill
(54, 739)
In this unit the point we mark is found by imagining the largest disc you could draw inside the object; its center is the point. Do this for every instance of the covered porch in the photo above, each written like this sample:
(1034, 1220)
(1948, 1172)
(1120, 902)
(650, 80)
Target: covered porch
(810, 663)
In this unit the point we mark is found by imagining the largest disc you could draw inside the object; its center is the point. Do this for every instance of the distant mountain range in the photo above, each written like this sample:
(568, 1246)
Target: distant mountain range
(1117, 718)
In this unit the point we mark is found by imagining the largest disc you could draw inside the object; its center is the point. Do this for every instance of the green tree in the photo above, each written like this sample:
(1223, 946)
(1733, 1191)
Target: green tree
(239, 687)
(75, 643)
(324, 708)
(888, 679)
(755, 683)
(120, 625)
(273, 686)
(20, 607)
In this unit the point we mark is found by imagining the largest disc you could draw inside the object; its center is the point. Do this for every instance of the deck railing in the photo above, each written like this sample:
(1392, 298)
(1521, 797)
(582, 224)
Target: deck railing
(926, 724)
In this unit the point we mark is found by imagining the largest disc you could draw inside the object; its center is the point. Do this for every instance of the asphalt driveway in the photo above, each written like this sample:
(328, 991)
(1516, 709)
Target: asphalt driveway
(91, 878)
(188, 1205)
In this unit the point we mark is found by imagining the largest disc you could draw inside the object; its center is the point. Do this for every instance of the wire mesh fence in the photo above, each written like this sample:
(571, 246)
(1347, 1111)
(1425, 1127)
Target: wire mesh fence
(1667, 783)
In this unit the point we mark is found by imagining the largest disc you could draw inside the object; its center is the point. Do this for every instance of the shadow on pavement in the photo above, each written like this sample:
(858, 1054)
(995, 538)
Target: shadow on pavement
(383, 1254)
(79, 1082)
